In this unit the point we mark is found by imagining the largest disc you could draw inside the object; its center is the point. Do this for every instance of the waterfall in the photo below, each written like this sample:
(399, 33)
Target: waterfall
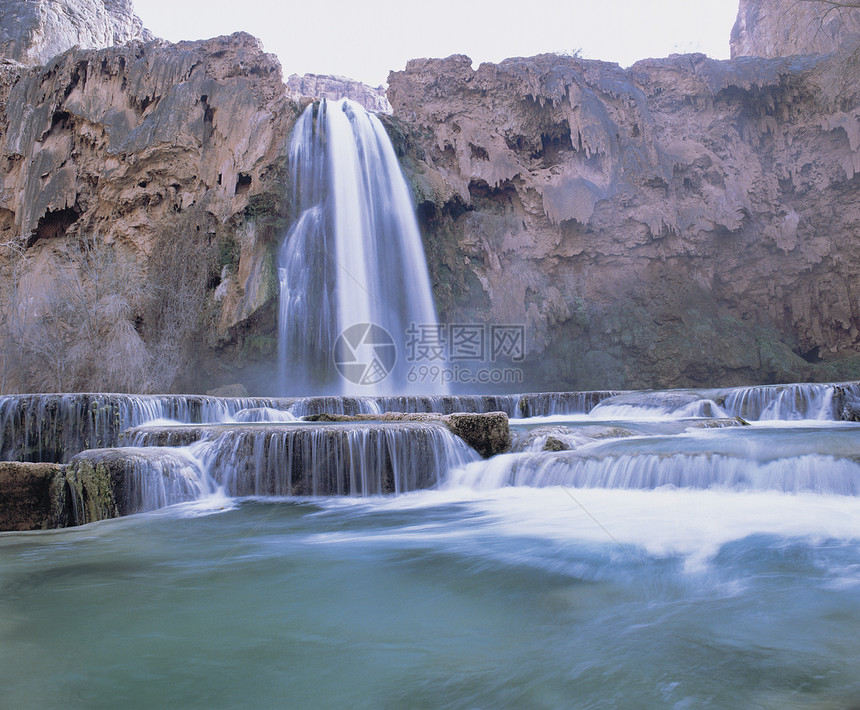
(809, 471)
(783, 402)
(56, 427)
(821, 458)
(352, 264)
(334, 459)
(108, 482)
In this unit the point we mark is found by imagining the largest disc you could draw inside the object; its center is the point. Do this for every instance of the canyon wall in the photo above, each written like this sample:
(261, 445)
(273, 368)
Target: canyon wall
(682, 222)
(35, 31)
(784, 28)
(142, 196)
(326, 86)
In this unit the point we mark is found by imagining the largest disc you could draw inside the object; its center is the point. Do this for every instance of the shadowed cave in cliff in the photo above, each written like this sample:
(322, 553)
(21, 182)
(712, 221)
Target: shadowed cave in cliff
(54, 224)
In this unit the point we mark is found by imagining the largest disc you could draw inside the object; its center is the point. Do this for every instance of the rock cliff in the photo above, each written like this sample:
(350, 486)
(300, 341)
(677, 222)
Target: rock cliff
(683, 222)
(783, 28)
(35, 31)
(141, 200)
(324, 86)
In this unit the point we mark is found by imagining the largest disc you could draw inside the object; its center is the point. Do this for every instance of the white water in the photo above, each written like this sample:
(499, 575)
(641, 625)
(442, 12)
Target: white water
(659, 563)
(353, 255)
(322, 460)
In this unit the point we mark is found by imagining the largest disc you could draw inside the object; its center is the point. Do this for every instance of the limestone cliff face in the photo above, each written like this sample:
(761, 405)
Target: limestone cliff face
(682, 222)
(35, 31)
(784, 28)
(324, 86)
(153, 176)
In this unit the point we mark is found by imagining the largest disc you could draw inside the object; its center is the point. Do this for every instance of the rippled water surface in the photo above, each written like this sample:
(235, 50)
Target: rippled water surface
(510, 598)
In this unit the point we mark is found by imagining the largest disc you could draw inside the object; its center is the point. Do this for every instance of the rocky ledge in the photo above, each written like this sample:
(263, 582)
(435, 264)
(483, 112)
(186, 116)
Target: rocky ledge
(487, 433)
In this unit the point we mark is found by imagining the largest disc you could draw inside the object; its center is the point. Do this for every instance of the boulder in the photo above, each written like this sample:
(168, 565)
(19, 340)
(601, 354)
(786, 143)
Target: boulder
(488, 433)
(34, 496)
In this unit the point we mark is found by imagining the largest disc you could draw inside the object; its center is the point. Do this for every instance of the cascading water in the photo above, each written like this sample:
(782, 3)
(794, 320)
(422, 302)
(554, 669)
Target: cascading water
(353, 259)
(633, 525)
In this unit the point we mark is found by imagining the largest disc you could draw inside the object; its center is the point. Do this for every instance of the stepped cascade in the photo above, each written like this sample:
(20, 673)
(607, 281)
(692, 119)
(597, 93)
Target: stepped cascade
(352, 263)
(613, 514)
(154, 451)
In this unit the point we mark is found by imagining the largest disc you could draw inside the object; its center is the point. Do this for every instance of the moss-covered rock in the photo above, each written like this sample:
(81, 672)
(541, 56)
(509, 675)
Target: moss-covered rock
(554, 444)
(92, 489)
(488, 433)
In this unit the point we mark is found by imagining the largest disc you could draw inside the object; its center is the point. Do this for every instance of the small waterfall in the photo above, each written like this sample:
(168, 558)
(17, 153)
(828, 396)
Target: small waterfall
(358, 460)
(644, 405)
(792, 402)
(783, 402)
(352, 262)
(514, 405)
(411, 404)
(548, 404)
(818, 459)
(812, 472)
(158, 477)
(258, 415)
(56, 427)
(109, 482)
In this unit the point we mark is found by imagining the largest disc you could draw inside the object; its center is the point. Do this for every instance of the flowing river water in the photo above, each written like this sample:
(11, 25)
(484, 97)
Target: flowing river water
(660, 562)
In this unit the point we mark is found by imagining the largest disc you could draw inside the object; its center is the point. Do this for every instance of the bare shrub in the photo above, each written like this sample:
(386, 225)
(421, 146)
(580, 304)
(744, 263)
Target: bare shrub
(75, 331)
(176, 316)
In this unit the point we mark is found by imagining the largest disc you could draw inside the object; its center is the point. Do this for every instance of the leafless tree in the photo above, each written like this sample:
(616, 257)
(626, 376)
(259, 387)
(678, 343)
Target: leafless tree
(101, 293)
(12, 253)
(176, 314)
(836, 3)
(75, 330)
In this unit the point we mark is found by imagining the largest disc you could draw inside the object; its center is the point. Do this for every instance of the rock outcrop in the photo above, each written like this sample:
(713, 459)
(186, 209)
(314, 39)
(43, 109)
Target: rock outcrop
(34, 496)
(35, 31)
(110, 483)
(326, 86)
(784, 28)
(682, 222)
(158, 172)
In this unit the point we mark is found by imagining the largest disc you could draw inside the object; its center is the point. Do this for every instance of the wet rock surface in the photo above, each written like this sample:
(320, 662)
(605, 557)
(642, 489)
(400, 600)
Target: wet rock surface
(487, 433)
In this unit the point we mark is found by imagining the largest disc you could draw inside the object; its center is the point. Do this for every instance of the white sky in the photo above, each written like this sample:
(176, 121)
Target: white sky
(364, 39)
